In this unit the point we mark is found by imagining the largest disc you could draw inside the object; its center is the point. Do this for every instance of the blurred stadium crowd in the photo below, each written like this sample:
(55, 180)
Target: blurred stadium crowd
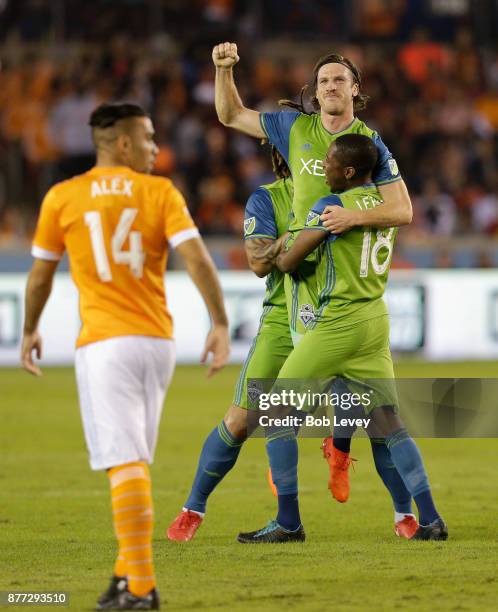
(432, 78)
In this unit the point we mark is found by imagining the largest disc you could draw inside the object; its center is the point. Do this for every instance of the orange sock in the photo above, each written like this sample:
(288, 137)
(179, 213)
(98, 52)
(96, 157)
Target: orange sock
(133, 521)
(120, 566)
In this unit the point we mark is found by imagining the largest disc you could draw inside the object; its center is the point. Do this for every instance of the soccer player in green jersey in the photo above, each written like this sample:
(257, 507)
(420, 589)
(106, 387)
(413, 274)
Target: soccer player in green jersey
(349, 337)
(266, 219)
(267, 216)
(303, 140)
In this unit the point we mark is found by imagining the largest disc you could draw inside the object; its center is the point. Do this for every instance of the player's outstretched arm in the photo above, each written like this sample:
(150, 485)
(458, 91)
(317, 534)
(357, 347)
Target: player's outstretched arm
(306, 242)
(396, 211)
(203, 272)
(38, 289)
(229, 107)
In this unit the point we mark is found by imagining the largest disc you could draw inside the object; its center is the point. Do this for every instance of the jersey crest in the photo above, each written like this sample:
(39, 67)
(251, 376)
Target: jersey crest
(249, 226)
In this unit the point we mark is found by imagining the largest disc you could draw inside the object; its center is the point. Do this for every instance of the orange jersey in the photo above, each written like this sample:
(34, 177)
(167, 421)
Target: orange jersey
(116, 225)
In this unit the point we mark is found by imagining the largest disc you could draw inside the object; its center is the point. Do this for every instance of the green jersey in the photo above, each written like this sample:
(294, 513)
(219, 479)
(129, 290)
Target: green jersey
(267, 215)
(352, 268)
(304, 142)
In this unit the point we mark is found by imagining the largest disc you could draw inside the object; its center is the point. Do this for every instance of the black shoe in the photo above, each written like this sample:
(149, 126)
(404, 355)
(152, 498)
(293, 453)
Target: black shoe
(128, 601)
(117, 585)
(436, 530)
(272, 534)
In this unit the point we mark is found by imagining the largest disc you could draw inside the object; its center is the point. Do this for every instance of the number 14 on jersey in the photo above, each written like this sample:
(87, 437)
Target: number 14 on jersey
(134, 258)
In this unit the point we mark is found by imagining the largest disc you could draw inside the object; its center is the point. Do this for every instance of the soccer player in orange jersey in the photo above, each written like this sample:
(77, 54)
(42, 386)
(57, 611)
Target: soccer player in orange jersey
(117, 223)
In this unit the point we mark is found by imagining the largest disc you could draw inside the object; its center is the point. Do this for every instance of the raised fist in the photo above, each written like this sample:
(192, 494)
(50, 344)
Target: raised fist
(225, 55)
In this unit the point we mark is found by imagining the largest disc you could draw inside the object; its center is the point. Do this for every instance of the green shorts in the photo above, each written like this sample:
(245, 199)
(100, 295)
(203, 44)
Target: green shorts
(269, 350)
(301, 296)
(360, 354)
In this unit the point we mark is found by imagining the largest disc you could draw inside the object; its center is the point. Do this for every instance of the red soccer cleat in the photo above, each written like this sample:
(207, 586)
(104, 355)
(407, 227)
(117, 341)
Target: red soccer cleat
(271, 484)
(407, 527)
(339, 463)
(183, 528)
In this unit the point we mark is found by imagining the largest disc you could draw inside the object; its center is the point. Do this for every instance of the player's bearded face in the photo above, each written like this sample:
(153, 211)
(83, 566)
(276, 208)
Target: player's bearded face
(143, 149)
(335, 89)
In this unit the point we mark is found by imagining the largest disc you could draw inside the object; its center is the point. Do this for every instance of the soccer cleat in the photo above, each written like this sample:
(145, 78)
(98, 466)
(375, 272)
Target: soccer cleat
(127, 601)
(436, 530)
(407, 527)
(339, 463)
(117, 585)
(183, 528)
(272, 534)
(271, 484)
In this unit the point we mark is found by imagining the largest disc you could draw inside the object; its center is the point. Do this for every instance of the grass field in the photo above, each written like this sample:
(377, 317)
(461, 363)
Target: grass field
(55, 522)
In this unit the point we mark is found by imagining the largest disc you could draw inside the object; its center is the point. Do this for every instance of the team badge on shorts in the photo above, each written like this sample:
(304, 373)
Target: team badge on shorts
(254, 390)
(249, 226)
(307, 314)
(393, 167)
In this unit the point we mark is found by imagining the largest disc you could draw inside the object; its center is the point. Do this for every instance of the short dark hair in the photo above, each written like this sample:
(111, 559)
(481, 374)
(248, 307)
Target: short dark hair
(358, 151)
(106, 115)
(360, 101)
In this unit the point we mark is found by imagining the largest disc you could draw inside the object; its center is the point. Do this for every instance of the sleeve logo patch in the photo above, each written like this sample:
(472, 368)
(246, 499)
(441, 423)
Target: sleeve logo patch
(249, 226)
(312, 219)
(393, 167)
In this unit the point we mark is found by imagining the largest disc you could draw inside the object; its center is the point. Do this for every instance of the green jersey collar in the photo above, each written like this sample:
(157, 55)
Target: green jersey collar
(357, 187)
(348, 127)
